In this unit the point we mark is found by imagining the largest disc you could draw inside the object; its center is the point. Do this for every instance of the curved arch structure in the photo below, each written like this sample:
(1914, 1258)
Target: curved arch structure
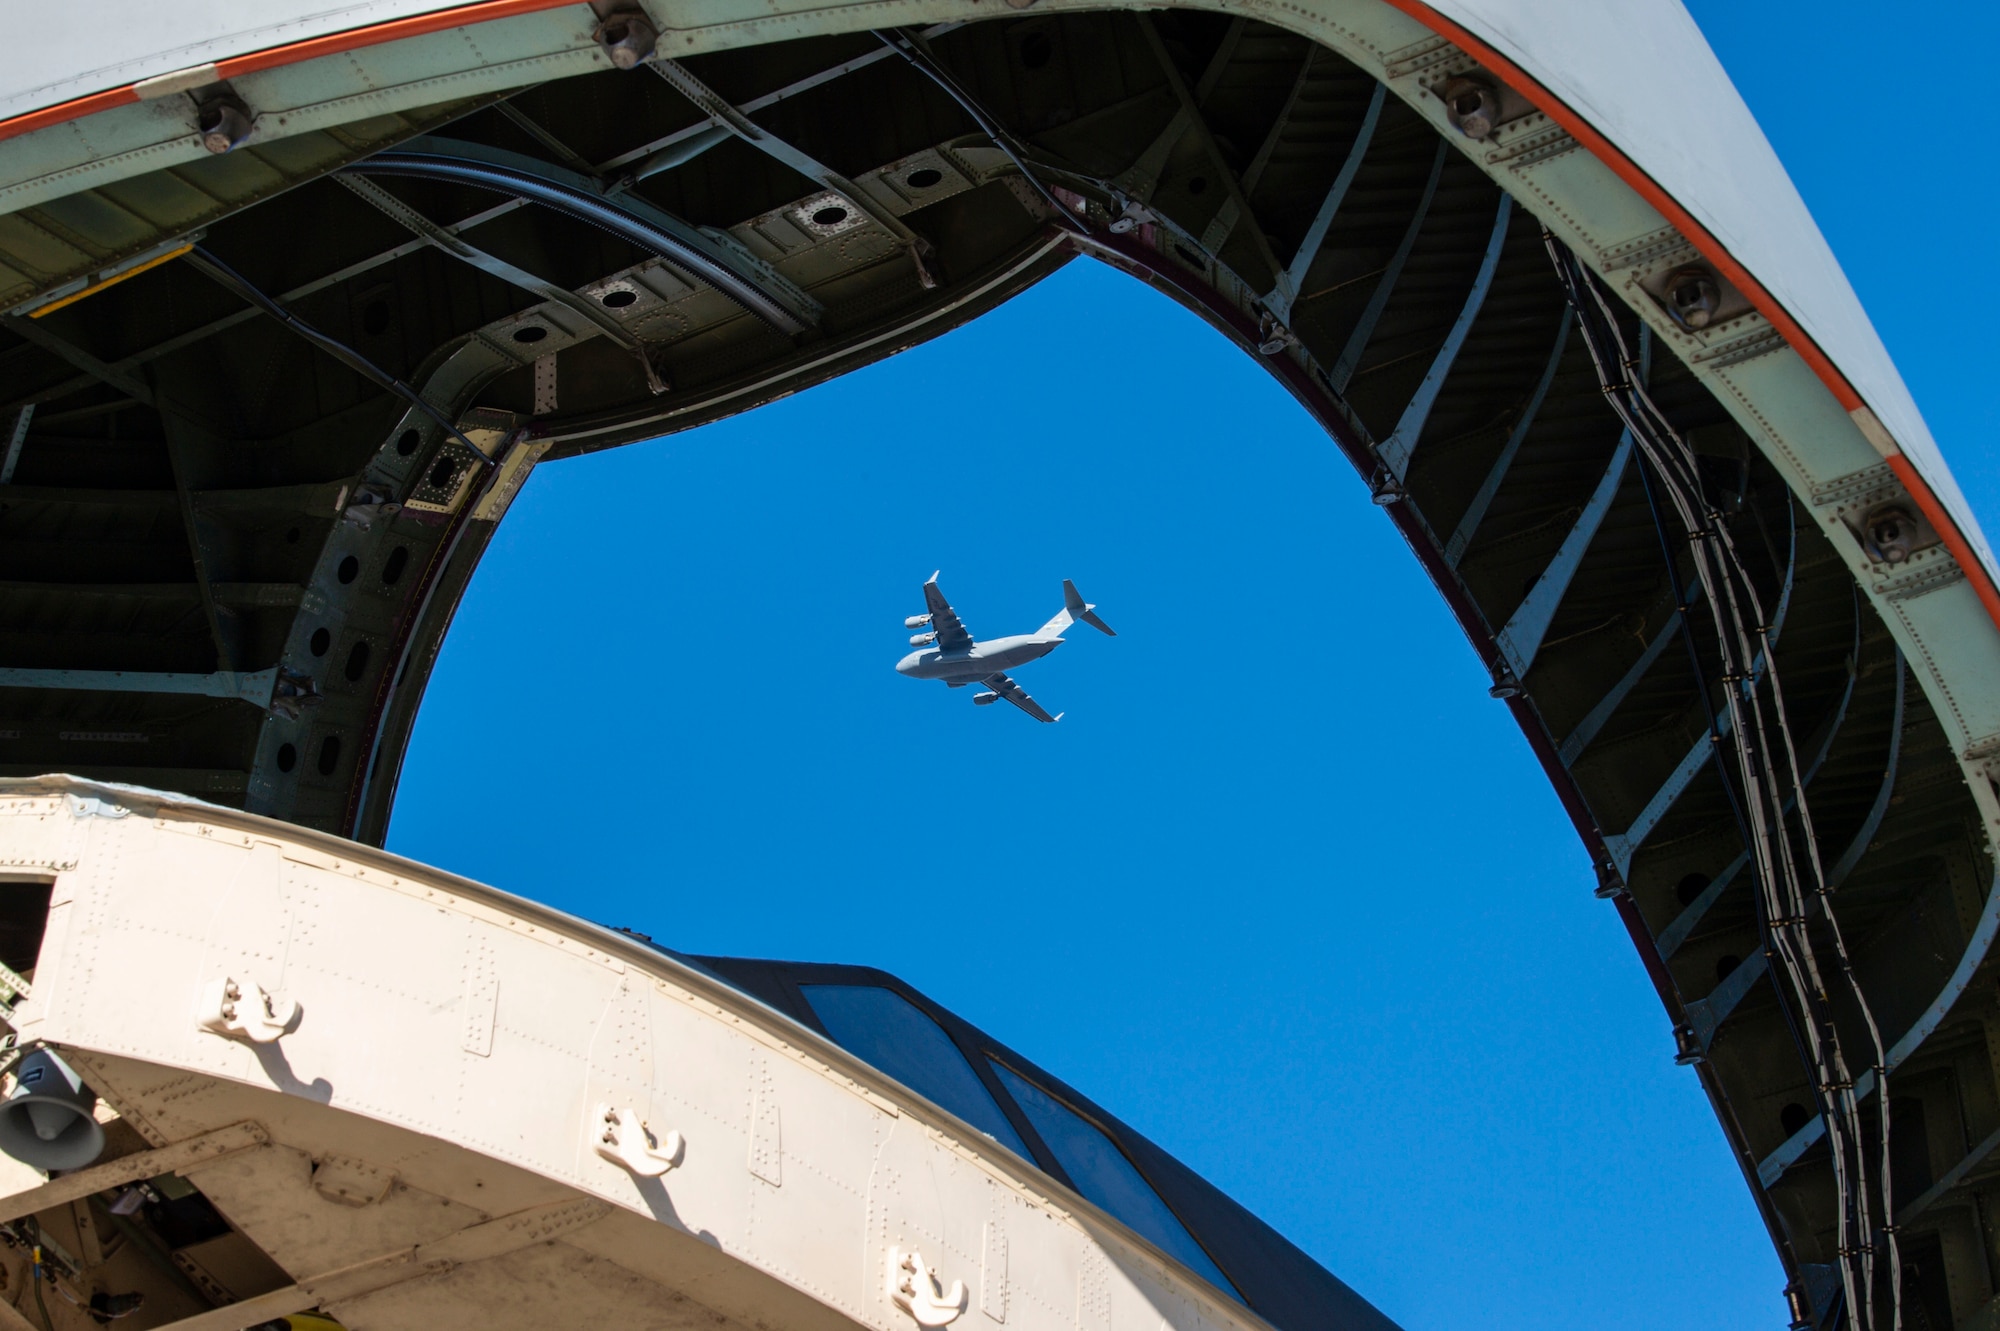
(1594, 361)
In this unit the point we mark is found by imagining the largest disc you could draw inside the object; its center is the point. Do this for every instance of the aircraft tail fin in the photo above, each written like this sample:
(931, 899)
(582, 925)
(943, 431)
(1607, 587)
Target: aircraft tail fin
(1075, 609)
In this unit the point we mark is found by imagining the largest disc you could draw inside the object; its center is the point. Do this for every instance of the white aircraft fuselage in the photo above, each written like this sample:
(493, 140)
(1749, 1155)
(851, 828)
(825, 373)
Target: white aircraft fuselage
(950, 654)
(983, 659)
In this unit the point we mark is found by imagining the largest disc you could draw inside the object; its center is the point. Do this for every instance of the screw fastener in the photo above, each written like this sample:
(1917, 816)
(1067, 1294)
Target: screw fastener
(225, 123)
(627, 39)
(1473, 106)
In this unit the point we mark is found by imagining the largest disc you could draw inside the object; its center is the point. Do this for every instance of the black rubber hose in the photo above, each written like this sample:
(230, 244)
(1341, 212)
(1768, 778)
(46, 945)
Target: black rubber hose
(587, 207)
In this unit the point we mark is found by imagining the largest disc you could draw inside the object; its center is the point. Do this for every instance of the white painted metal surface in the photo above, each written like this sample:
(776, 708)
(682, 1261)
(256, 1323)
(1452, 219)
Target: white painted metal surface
(54, 54)
(428, 1142)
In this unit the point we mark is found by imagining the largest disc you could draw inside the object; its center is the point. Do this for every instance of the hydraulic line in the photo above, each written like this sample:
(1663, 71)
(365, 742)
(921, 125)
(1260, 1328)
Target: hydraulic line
(1730, 794)
(466, 252)
(1757, 728)
(599, 212)
(1777, 871)
(1683, 608)
(35, 1276)
(921, 59)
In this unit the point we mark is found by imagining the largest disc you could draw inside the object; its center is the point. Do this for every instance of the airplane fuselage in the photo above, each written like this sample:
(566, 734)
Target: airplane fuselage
(985, 658)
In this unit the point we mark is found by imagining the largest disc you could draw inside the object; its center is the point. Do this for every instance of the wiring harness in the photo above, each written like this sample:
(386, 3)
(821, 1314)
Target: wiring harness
(1768, 793)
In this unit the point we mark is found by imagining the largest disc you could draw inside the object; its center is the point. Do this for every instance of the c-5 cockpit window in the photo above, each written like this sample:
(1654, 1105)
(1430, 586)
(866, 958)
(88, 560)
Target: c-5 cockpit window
(1102, 1173)
(884, 1028)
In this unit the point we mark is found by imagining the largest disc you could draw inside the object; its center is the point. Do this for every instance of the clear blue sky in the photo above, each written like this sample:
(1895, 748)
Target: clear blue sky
(1285, 889)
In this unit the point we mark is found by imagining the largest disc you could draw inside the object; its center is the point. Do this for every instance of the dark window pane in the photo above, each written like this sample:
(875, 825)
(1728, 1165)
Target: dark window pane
(1103, 1174)
(882, 1027)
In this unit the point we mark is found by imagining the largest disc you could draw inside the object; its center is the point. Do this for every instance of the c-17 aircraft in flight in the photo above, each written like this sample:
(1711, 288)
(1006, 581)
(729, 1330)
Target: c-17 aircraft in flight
(949, 653)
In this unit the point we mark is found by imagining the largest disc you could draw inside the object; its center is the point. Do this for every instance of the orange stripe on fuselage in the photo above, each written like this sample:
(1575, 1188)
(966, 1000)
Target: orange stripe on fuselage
(1725, 263)
(291, 53)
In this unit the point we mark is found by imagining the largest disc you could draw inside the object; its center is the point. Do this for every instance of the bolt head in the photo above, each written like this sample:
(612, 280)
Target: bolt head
(627, 39)
(1694, 297)
(224, 125)
(1893, 533)
(1473, 105)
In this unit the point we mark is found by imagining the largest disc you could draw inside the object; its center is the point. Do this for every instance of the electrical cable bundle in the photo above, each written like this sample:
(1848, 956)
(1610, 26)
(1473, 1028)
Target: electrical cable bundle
(1770, 799)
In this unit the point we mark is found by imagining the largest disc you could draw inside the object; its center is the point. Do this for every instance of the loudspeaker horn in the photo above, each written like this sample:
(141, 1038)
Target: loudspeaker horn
(50, 1120)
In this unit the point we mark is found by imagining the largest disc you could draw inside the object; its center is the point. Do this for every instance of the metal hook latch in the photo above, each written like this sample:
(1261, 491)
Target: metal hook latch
(243, 1010)
(914, 1288)
(624, 1140)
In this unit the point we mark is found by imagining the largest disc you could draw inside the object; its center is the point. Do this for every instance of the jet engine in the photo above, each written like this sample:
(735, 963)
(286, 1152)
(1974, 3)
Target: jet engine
(981, 699)
(916, 621)
(922, 639)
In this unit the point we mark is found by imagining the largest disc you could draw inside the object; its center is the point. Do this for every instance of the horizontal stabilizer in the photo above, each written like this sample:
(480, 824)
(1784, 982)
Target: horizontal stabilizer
(1080, 609)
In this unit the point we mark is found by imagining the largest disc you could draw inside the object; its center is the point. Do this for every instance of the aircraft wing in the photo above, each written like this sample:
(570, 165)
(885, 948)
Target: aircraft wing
(1017, 695)
(952, 635)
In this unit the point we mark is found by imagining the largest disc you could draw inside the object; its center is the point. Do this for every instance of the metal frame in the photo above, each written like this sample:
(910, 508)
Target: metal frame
(1401, 445)
(1349, 359)
(1284, 294)
(734, 273)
